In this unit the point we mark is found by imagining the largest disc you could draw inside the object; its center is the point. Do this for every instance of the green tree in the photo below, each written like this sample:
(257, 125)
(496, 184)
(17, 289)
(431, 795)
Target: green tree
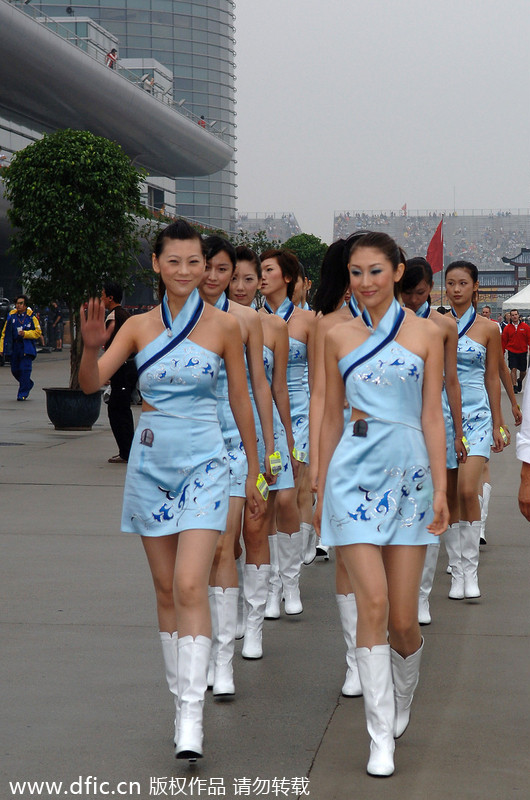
(310, 251)
(257, 241)
(75, 207)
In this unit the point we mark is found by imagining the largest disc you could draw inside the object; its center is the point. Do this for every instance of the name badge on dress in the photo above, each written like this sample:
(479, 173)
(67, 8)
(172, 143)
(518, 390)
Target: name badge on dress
(147, 437)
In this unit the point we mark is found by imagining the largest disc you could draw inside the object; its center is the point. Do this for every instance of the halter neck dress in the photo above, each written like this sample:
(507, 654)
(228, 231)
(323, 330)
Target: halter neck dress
(237, 458)
(378, 487)
(298, 394)
(450, 433)
(471, 366)
(284, 479)
(177, 475)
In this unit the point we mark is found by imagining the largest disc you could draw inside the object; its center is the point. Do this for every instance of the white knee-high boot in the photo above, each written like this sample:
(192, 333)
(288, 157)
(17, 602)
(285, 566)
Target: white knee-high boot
(375, 671)
(290, 561)
(405, 673)
(193, 656)
(348, 617)
(427, 580)
(274, 597)
(470, 544)
(484, 507)
(241, 607)
(256, 589)
(453, 546)
(169, 651)
(223, 607)
(309, 543)
(213, 617)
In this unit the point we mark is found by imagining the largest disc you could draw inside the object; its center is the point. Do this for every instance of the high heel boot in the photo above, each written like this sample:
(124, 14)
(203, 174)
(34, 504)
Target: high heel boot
(348, 617)
(169, 651)
(375, 672)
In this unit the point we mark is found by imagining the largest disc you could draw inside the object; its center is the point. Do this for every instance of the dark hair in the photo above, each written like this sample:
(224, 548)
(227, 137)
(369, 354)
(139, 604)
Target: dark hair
(23, 297)
(244, 253)
(288, 264)
(218, 244)
(180, 229)
(471, 268)
(382, 242)
(441, 310)
(334, 279)
(417, 270)
(114, 290)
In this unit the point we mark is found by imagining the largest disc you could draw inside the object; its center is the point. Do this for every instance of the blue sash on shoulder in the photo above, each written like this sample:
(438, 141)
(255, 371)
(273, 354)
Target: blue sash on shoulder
(354, 308)
(424, 310)
(465, 321)
(223, 303)
(386, 331)
(285, 310)
(179, 328)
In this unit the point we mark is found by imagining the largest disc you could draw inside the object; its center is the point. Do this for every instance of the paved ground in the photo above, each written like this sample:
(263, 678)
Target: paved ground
(82, 686)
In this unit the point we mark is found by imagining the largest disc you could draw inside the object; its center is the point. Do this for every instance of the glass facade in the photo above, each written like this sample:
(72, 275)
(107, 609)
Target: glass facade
(195, 40)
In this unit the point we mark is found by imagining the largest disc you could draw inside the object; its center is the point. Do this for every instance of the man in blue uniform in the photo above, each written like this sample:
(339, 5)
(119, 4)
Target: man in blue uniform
(19, 338)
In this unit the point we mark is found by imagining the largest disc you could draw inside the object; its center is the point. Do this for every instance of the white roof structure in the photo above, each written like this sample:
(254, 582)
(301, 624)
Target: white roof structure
(520, 301)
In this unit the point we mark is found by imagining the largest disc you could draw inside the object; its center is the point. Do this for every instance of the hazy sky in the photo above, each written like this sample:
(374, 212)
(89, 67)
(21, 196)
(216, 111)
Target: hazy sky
(343, 104)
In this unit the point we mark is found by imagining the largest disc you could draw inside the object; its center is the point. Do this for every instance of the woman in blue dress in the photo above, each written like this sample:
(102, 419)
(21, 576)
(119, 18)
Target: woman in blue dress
(416, 290)
(478, 358)
(280, 272)
(263, 598)
(224, 580)
(177, 484)
(382, 479)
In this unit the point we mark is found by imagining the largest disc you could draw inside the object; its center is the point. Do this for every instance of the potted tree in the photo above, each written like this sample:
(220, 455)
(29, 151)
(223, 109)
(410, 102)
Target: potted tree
(74, 205)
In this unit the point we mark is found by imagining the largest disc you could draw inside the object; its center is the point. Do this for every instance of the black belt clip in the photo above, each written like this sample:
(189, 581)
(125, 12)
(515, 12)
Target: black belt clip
(360, 428)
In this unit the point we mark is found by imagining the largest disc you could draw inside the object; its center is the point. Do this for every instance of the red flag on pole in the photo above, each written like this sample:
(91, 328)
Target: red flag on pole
(435, 251)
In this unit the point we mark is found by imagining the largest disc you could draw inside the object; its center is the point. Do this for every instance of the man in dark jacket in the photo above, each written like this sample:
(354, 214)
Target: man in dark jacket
(19, 341)
(123, 381)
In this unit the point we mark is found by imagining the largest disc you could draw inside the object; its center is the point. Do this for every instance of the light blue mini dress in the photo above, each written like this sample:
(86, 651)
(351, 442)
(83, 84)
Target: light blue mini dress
(471, 366)
(237, 458)
(378, 487)
(298, 394)
(451, 459)
(284, 479)
(177, 475)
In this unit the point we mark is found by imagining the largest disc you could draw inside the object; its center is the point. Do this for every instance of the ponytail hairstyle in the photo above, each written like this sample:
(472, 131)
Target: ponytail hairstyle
(334, 275)
(182, 230)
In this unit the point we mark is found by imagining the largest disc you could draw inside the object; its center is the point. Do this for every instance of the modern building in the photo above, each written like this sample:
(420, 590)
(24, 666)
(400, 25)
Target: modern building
(53, 75)
(195, 41)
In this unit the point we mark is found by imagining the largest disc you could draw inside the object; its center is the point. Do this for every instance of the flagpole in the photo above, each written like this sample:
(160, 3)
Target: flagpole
(442, 270)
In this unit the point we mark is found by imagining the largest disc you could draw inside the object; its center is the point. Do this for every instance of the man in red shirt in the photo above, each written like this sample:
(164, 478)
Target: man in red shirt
(515, 339)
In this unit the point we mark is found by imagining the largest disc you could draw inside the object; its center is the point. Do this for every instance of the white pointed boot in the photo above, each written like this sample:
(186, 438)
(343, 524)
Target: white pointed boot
(309, 543)
(225, 635)
(192, 668)
(454, 554)
(470, 543)
(274, 597)
(256, 590)
(169, 651)
(375, 672)
(348, 617)
(241, 607)
(405, 673)
(290, 561)
(484, 507)
(427, 580)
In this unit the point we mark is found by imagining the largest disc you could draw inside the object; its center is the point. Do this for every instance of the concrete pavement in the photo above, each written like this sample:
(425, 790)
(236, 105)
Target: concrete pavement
(83, 693)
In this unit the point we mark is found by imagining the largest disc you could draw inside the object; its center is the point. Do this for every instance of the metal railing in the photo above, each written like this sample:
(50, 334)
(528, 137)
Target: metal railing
(41, 18)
